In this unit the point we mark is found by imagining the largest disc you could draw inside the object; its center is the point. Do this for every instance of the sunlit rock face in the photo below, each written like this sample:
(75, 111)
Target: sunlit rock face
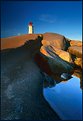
(76, 43)
(78, 61)
(76, 50)
(53, 58)
(16, 41)
(57, 44)
(56, 40)
(61, 53)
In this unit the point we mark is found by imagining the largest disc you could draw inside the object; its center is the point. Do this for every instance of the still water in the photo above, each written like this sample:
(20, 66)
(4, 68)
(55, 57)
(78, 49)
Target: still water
(66, 99)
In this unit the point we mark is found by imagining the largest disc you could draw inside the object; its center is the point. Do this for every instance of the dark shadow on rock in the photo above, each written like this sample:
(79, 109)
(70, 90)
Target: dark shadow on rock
(67, 43)
(52, 69)
(22, 85)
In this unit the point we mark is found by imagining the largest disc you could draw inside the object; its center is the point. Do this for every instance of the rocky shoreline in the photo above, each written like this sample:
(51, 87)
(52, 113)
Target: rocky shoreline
(24, 68)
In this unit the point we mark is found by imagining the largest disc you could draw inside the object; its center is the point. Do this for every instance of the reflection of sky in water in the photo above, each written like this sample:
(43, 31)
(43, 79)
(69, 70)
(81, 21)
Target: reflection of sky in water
(66, 99)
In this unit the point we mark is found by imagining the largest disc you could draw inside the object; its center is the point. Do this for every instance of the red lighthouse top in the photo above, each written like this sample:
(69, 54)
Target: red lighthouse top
(30, 23)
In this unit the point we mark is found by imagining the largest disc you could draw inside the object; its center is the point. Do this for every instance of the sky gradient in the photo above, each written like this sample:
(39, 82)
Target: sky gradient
(52, 16)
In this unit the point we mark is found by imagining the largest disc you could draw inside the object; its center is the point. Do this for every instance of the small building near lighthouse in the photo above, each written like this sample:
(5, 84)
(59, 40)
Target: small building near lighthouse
(30, 28)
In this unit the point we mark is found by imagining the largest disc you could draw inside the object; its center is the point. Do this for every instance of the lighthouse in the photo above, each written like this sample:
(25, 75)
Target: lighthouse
(30, 28)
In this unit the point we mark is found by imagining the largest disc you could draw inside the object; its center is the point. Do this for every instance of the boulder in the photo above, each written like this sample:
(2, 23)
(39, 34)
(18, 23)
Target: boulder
(56, 40)
(53, 66)
(61, 53)
(49, 62)
(75, 43)
(78, 61)
(75, 50)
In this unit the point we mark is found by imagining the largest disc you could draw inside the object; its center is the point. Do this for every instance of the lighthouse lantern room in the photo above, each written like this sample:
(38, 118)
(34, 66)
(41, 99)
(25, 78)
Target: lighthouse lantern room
(30, 28)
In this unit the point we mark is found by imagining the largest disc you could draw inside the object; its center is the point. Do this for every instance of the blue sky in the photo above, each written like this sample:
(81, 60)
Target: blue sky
(47, 16)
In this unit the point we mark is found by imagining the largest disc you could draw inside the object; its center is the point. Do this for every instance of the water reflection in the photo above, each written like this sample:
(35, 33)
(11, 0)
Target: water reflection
(66, 99)
(78, 73)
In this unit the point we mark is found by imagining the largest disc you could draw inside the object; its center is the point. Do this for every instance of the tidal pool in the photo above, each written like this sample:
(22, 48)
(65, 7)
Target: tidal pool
(66, 99)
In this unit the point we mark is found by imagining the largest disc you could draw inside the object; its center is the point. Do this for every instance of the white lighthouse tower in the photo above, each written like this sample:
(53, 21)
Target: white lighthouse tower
(30, 28)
